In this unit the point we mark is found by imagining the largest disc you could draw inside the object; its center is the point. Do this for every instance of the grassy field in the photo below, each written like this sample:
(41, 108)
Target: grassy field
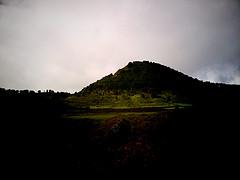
(106, 115)
(124, 100)
(97, 106)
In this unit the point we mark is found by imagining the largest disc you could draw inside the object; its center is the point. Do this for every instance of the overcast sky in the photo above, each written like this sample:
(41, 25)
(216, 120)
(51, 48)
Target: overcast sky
(66, 44)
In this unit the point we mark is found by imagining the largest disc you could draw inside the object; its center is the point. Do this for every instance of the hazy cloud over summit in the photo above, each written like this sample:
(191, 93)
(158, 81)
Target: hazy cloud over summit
(67, 44)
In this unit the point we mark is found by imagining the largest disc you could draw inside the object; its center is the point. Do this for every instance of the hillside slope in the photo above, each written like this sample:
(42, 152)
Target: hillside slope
(148, 84)
(139, 84)
(142, 76)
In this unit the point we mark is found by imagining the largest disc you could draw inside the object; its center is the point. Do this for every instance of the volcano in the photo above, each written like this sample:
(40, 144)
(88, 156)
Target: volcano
(144, 84)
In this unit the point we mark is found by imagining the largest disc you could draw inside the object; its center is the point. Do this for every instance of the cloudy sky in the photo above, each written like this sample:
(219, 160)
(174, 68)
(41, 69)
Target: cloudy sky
(66, 44)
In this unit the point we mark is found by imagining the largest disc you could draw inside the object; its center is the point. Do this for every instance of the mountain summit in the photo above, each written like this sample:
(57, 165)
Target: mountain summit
(139, 84)
(142, 76)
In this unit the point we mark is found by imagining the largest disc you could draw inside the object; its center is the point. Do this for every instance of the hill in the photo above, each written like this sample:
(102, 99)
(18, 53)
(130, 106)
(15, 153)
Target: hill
(142, 76)
(148, 84)
(139, 84)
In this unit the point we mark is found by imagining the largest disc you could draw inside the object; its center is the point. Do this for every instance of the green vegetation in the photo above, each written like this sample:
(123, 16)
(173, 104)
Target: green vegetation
(106, 115)
(125, 100)
(93, 116)
(139, 84)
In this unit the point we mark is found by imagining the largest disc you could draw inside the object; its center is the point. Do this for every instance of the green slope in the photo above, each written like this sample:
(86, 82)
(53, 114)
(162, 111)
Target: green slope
(139, 84)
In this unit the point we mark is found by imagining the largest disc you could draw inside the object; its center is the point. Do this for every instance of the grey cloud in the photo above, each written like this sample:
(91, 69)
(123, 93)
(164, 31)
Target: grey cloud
(221, 73)
(67, 44)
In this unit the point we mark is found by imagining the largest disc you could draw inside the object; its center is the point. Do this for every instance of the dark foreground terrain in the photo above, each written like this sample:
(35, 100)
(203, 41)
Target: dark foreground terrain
(42, 135)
